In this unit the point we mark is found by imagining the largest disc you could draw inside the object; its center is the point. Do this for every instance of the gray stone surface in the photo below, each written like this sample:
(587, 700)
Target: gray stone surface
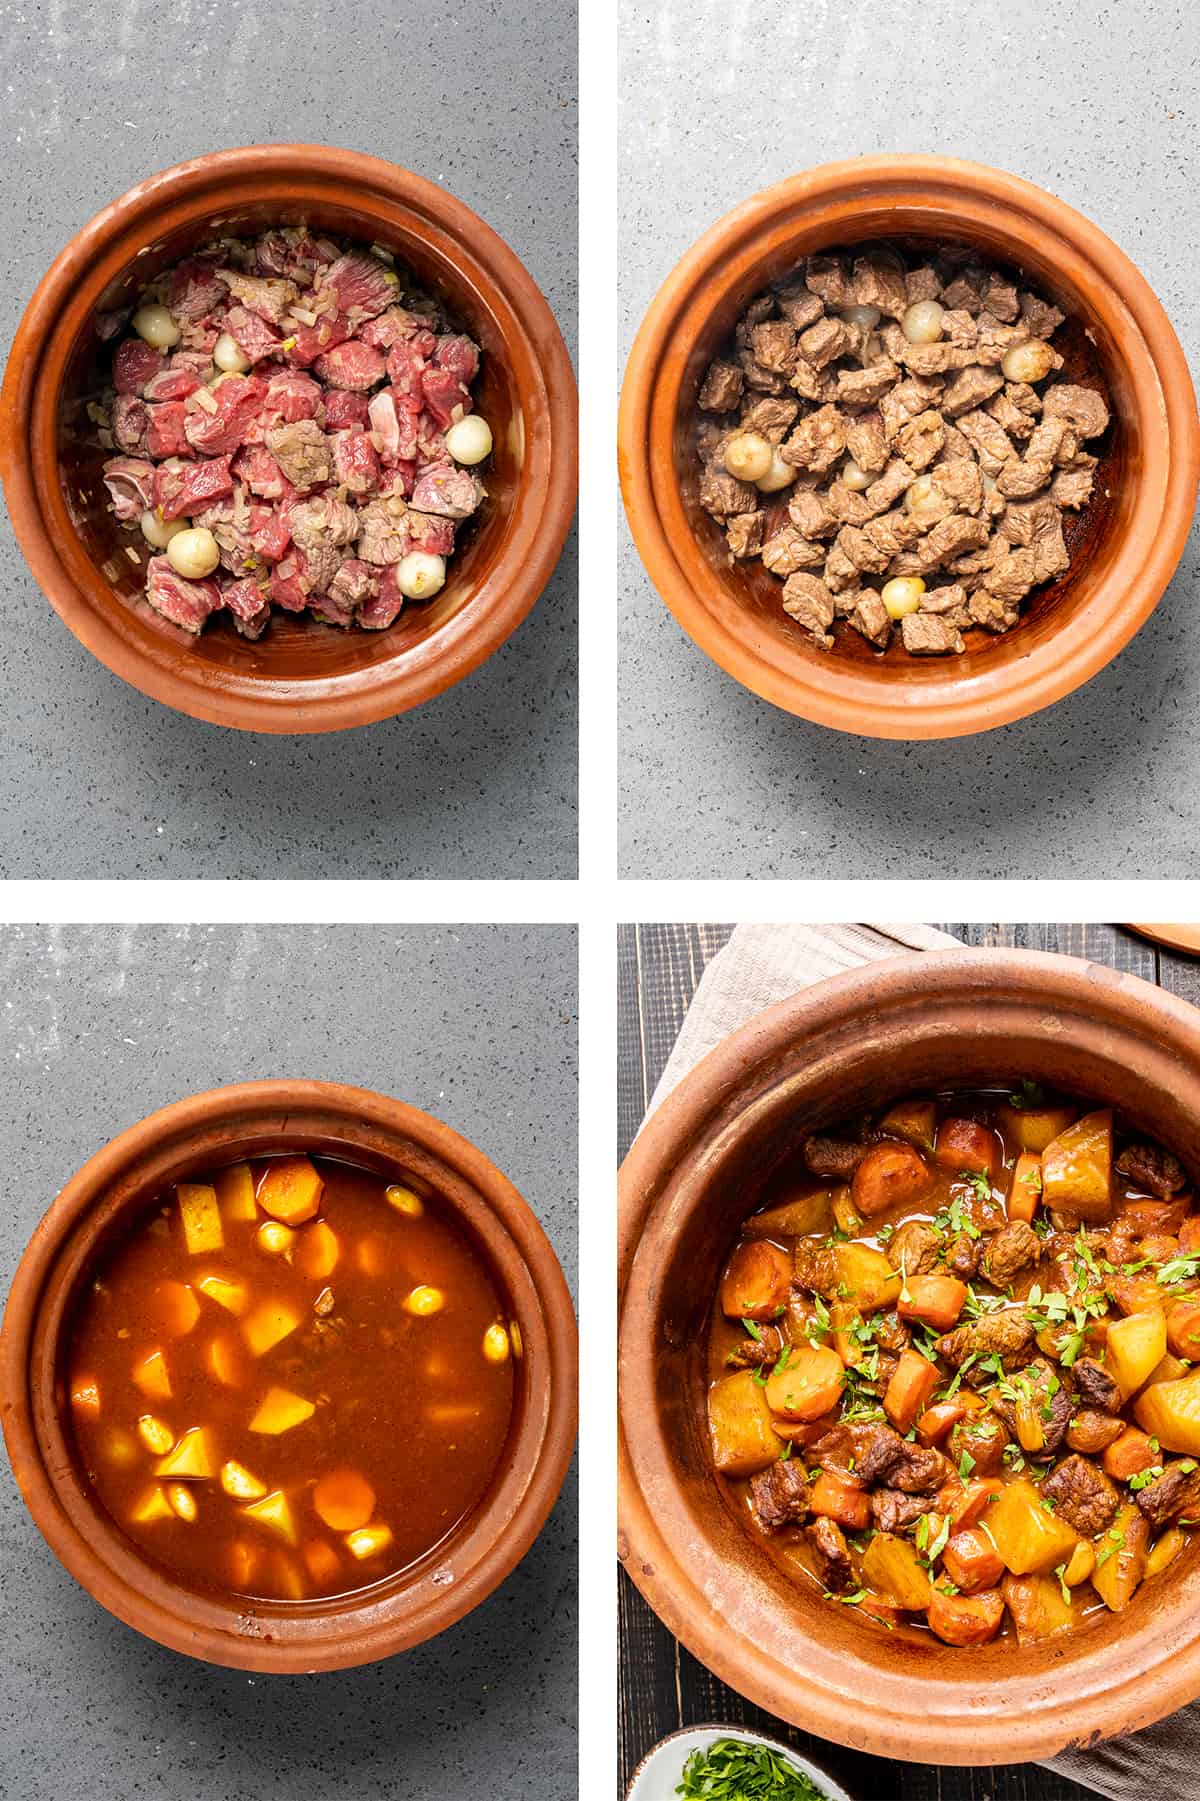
(99, 1026)
(1090, 102)
(96, 780)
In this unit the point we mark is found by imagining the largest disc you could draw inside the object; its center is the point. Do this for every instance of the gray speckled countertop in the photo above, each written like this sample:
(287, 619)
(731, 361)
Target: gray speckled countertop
(1096, 104)
(480, 97)
(99, 1026)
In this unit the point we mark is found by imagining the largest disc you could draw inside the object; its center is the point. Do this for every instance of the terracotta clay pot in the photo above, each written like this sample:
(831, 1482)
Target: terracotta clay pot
(1124, 549)
(909, 1023)
(101, 1202)
(301, 676)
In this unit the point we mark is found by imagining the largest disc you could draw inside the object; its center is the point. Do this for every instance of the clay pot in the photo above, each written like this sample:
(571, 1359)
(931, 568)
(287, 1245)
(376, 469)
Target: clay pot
(1123, 551)
(100, 1203)
(909, 1023)
(301, 676)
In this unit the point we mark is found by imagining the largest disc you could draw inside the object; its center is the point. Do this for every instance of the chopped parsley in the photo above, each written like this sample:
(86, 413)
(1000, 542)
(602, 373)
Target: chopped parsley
(1026, 1094)
(1144, 1478)
(752, 1327)
(966, 1464)
(1178, 1269)
(731, 1769)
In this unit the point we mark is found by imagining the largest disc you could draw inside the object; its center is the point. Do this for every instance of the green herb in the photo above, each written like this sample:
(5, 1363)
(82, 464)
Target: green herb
(960, 1372)
(939, 1543)
(1060, 1570)
(1033, 1178)
(979, 1182)
(921, 1535)
(1027, 1094)
(1178, 1269)
(966, 1464)
(733, 1770)
(1144, 1478)
(753, 1330)
(786, 1451)
(953, 1219)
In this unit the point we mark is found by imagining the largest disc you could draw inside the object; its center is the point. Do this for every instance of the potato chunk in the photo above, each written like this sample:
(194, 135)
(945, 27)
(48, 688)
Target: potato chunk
(892, 1568)
(151, 1506)
(866, 1277)
(798, 1218)
(368, 1541)
(85, 1394)
(269, 1324)
(317, 1251)
(273, 1512)
(344, 1499)
(1077, 1168)
(291, 1190)
(1039, 1608)
(739, 1426)
(150, 1374)
(235, 1192)
(1030, 1539)
(496, 1343)
(237, 1481)
(914, 1120)
(1121, 1558)
(1033, 1128)
(404, 1200)
(182, 1501)
(201, 1217)
(192, 1457)
(1170, 1412)
(233, 1296)
(155, 1434)
(280, 1410)
(225, 1361)
(1134, 1348)
(757, 1281)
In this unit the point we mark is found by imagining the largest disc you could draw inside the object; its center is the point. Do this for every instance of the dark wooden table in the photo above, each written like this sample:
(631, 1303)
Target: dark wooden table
(662, 1687)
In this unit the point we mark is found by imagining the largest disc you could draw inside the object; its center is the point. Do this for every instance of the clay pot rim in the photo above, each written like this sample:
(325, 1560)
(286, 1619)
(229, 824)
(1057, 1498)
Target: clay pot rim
(700, 1115)
(485, 1548)
(525, 560)
(838, 694)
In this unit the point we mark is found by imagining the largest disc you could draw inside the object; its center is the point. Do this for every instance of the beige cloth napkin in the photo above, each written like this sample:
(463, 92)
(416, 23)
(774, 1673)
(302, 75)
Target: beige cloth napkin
(761, 965)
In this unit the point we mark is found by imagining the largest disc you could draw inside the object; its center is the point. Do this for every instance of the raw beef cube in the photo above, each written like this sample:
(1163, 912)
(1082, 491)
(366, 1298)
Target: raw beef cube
(351, 365)
(257, 468)
(459, 355)
(165, 434)
(330, 610)
(355, 463)
(354, 583)
(270, 298)
(184, 603)
(396, 325)
(293, 254)
(130, 421)
(382, 537)
(399, 477)
(135, 366)
(287, 585)
(385, 608)
(426, 531)
(196, 290)
(343, 409)
(308, 342)
(361, 284)
(385, 423)
(172, 383)
(405, 366)
(255, 337)
(269, 532)
(443, 489)
(183, 489)
(237, 401)
(245, 599)
(302, 451)
(445, 397)
(130, 481)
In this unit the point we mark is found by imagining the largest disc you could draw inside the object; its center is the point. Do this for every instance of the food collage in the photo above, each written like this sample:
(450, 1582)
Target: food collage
(530, 526)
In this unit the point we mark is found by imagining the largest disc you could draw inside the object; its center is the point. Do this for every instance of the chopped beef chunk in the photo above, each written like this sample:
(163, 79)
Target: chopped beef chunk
(962, 1256)
(1082, 408)
(753, 1353)
(780, 1494)
(863, 1450)
(927, 635)
(1095, 1387)
(1013, 1248)
(1153, 1169)
(1007, 1334)
(895, 1512)
(836, 1158)
(722, 387)
(914, 1246)
(917, 1469)
(1082, 1494)
(813, 1266)
(1175, 1495)
(833, 1554)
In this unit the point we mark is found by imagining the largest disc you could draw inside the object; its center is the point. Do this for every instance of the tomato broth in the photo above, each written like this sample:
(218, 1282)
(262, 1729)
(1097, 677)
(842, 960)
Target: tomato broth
(291, 1379)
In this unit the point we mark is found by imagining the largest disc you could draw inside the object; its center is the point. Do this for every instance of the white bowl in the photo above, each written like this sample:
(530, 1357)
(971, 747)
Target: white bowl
(659, 1772)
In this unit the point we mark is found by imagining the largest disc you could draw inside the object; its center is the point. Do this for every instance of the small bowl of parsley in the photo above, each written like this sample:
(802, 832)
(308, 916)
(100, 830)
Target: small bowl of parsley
(711, 1763)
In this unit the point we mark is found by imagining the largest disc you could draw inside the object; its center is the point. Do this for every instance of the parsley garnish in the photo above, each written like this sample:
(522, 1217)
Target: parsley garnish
(753, 1330)
(733, 1770)
(1027, 1094)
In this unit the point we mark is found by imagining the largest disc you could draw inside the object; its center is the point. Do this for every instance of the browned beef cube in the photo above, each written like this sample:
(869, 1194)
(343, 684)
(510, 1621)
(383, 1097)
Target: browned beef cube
(914, 1246)
(724, 495)
(837, 1158)
(1013, 1248)
(773, 344)
(895, 1512)
(1009, 1334)
(969, 389)
(744, 534)
(772, 417)
(993, 614)
(1174, 1496)
(863, 387)
(925, 635)
(722, 387)
(779, 1495)
(1039, 318)
(787, 551)
(1082, 1494)
(813, 1266)
(917, 1469)
(1082, 408)
(1072, 486)
(1151, 1168)
(867, 443)
(1095, 1387)
(872, 619)
(817, 441)
(833, 1555)
(799, 305)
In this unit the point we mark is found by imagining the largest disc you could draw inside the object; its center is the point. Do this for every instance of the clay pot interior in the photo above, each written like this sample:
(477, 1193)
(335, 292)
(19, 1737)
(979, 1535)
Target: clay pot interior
(770, 1635)
(294, 648)
(918, 229)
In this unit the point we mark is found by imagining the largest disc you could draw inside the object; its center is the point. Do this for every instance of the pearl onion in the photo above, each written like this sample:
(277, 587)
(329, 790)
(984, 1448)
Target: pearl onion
(159, 532)
(1031, 361)
(155, 326)
(469, 440)
(923, 497)
(229, 356)
(193, 553)
(748, 456)
(922, 323)
(420, 575)
(779, 475)
(853, 477)
(902, 595)
(866, 316)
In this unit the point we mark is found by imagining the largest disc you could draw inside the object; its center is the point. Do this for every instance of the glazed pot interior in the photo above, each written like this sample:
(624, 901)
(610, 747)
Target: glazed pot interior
(1091, 358)
(711, 1578)
(294, 648)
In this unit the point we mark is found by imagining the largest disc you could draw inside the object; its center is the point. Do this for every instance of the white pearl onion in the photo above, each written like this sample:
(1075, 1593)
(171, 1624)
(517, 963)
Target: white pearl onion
(229, 356)
(193, 553)
(902, 595)
(853, 477)
(779, 475)
(748, 456)
(159, 532)
(469, 440)
(923, 496)
(1031, 361)
(922, 323)
(420, 574)
(866, 316)
(155, 326)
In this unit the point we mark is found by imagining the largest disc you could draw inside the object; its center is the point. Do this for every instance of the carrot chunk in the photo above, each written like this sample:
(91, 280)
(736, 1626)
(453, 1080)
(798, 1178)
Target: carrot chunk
(291, 1190)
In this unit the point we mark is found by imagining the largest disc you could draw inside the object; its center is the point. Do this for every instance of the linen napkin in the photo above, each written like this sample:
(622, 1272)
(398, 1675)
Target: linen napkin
(763, 964)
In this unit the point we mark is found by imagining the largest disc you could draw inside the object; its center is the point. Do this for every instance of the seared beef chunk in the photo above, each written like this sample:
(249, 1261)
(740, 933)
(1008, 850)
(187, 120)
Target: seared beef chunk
(1153, 1169)
(1012, 1249)
(1095, 1387)
(962, 1256)
(833, 1157)
(1008, 1334)
(833, 1555)
(861, 1450)
(917, 1469)
(1174, 1496)
(894, 1512)
(927, 419)
(1093, 1432)
(914, 1246)
(814, 1267)
(779, 1495)
(1082, 1495)
(753, 1353)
